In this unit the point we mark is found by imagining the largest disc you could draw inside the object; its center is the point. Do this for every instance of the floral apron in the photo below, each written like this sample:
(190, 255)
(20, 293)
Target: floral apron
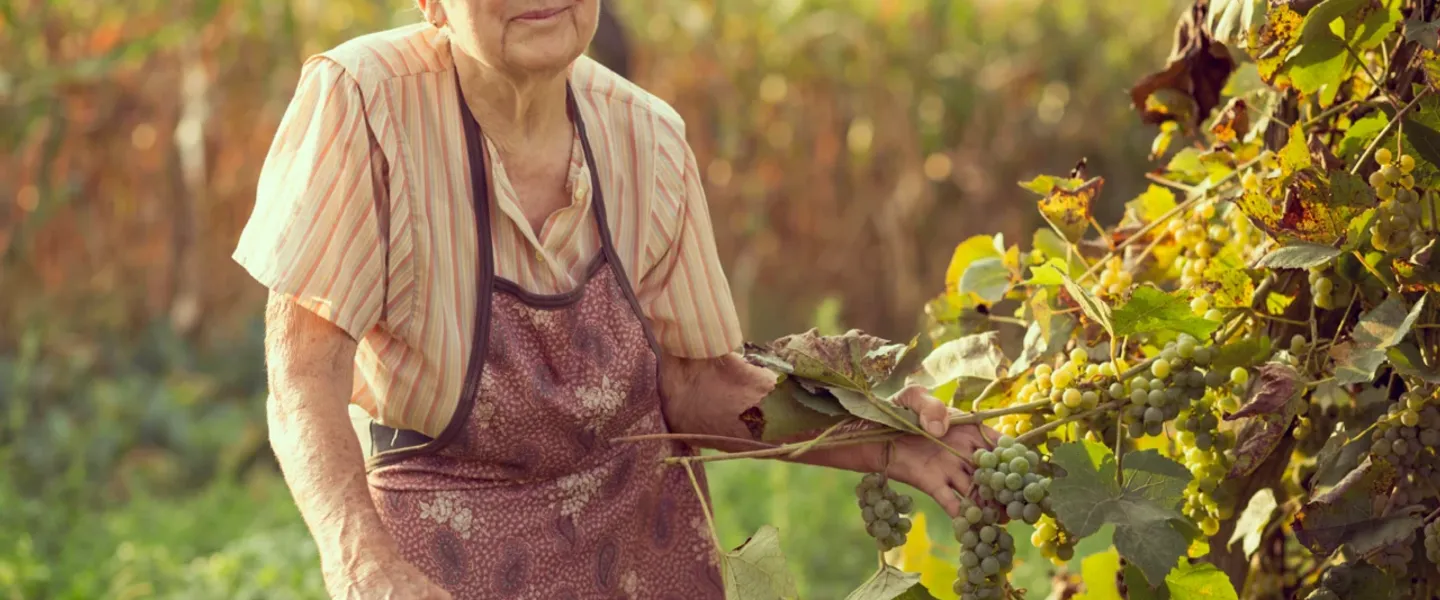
(523, 495)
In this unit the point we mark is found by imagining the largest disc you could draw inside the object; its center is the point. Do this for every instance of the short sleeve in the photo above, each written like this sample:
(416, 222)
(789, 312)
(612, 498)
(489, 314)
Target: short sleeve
(314, 231)
(685, 293)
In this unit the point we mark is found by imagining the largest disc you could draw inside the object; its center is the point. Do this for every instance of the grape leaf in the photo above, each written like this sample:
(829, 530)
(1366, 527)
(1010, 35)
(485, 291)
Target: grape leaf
(1048, 242)
(1227, 280)
(1141, 503)
(1049, 273)
(890, 583)
(1251, 524)
(1274, 385)
(1037, 345)
(1427, 34)
(911, 358)
(1371, 583)
(1406, 360)
(1098, 311)
(1367, 27)
(1340, 455)
(1384, 531)
(757, 569)
(1379, 329)
(853, 359)
(1150, 310)
(1337, 515)
(1139, 589)
(1358, 231)
(1274, 41)
(1295, 155)
(1268, 412)
(1232, 21)
(1302, 206)
(1298, 256)
(968, 251)
(976, 356)
(878, 410)
(1318, 20)
(1195, 581)
(1099, 572)
(782, 415)
(988, 278)
(1151, 205)
(1359, 135)
(1320, 66)
(1067, 207)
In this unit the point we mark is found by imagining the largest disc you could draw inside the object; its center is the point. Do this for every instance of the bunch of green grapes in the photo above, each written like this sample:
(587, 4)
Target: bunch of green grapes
(1053, 541)
(1174, 380)
(1209, 227)
(1334, 584)
(1203, 448)
(1324, 289)
(1397, 218)
(1072, 387)
(1019, 424)
(1114, 279)
(1007, 476)
(987, 552)
(1408, 434)
(883, 509)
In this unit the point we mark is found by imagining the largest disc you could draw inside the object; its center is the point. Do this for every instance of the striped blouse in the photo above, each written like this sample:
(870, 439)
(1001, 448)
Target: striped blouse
(372, 142)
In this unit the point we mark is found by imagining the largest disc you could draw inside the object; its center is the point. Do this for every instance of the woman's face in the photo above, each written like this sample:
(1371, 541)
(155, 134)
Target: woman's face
(519, 36)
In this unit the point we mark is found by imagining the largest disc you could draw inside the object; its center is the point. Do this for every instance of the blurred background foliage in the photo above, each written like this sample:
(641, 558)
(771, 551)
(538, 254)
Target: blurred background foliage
(847, 146)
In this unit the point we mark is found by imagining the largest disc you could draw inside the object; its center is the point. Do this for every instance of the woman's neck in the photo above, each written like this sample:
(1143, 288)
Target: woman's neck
(514, 111)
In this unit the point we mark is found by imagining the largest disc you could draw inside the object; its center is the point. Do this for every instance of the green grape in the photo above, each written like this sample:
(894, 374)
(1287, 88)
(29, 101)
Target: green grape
(1072, 398)
(988, 533)
(1160, 368)
(1005, 441)
(972, 514)
(1116, 391)
(884, 509)
(988, 460)
(1022, 466)
(968, 558)
(990, 565)
(1031, 513)
(969, 539)
(1014, 481)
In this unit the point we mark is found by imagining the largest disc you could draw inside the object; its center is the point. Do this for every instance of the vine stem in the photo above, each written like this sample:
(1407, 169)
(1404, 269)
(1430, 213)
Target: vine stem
(705, 506)
(807, 446)
(1037, 433)
(1394, 121)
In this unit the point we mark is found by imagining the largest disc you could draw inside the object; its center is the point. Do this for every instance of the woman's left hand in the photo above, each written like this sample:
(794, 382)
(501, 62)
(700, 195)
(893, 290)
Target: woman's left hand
(923, 464)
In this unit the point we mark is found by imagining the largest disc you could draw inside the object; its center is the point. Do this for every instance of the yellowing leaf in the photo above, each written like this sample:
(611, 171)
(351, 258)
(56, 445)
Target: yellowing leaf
(1068, 209)
(1098, 571)
(919, 555)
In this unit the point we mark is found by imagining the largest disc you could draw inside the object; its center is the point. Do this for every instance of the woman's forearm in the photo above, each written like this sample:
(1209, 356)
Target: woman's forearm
(323, 466)
(712, 397)
(310, 371)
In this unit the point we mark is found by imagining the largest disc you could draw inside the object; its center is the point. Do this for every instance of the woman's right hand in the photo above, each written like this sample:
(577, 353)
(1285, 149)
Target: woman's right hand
(389, 578)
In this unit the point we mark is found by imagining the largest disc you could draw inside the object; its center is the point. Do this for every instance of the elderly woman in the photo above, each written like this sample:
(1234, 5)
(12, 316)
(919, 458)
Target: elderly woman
(501, 252)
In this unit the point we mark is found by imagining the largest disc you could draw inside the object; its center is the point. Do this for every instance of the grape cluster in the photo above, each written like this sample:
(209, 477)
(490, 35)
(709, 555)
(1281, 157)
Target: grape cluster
(1053, 541)
(1408, 435)
(987, 552)
(883, 509)
(1209, 227)
(1007, 476)
(1203, 451)
(1323, 288)
(1071, 387)
(1395, 230)
(1334, 584)
(1114, 279)
(1173, 381)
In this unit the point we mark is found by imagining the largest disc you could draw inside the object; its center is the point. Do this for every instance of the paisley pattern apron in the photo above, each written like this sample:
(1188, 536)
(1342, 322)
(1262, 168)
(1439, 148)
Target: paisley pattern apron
(523, 495)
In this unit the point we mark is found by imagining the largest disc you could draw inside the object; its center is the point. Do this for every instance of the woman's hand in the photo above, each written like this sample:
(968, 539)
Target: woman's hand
(923, 464)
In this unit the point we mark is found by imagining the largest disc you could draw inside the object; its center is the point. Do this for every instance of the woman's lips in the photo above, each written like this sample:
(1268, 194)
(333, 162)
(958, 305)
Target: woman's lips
(541, 15)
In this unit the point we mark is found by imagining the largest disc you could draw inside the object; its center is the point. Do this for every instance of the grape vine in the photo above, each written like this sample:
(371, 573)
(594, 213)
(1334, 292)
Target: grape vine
(1238, 379)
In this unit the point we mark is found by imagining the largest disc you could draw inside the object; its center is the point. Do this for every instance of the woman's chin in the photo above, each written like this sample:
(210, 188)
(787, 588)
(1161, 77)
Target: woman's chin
(542, 58)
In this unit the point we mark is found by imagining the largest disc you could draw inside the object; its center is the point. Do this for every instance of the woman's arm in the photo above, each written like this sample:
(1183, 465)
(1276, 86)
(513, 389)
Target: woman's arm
(310, 362)
(709, 396)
